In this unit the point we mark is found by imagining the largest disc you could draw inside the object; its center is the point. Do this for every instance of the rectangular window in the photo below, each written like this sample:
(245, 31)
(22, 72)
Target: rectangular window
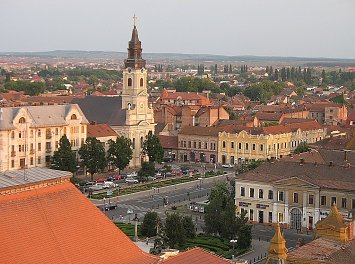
(271, 195)
(310, 199)
(206, 145)
(251, 192)
(199, 145)
(31, 161)
(254, 146)
(295, 197)
(232, 145)
(39, 160)
(270, 217)
(133, 143)
(242, 191)
(281, 196)
(240, 146)
(353, 204)
(261, 193)
(333, 200)
(12, 163)
(189, 144)
(323, 200)
(39, 133)
(251, 215)
(57, 131)
(246, 146)
(261, 147)
(223, 144)
(343, 202)
(194, 144)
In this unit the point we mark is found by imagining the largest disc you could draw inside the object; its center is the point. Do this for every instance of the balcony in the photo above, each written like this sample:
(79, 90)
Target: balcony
(48, 135)
(13, 153)
(32, 151)
(48, 150)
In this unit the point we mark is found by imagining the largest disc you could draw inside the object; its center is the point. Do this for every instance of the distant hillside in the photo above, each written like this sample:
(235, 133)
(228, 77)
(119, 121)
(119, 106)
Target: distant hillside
(76, 54)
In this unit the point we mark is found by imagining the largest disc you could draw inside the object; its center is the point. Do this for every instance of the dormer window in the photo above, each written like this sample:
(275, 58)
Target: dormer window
(22, 120)
(73, 117)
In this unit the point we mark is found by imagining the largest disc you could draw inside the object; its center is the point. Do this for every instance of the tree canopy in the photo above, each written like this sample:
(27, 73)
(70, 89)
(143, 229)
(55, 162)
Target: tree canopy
(120, 152)
(152, 148)
(64, 158)
(150, 224)
(93, 157)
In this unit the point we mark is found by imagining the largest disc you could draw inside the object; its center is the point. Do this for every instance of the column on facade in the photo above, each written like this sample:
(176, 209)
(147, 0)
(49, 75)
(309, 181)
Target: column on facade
(316, 216)
(287, 220)
(275, 214)
(304, 210)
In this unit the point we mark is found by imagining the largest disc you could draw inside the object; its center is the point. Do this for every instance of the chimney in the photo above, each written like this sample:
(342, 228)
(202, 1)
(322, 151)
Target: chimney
(301, 161)
(330, 163)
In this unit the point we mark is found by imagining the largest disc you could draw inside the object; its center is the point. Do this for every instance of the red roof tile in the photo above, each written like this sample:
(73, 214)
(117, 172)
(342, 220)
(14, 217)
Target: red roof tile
(57, 224)
(100, 130)
(196, 256)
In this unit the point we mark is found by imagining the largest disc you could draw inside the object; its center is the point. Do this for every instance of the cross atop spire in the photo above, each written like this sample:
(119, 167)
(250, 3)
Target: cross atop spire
(134, 20)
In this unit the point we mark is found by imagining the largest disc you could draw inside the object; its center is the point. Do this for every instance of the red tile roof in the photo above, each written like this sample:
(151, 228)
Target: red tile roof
(56, 225)
(100, 130)
(196, 256)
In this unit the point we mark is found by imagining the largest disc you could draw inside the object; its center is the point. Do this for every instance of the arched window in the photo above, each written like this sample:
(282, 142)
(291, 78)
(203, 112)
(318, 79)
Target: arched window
(142, 140)
(22, 120)
(129, 81)
(73, 117)
(141, 82)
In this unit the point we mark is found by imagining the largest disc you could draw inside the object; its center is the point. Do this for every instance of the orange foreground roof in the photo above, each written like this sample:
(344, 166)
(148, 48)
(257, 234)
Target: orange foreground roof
(57, 224)
(196, 256)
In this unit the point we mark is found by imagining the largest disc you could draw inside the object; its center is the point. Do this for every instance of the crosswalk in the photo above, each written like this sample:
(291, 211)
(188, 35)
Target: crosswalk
(134, 208)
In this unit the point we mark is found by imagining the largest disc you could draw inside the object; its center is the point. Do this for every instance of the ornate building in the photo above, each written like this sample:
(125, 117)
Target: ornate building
(130, 114)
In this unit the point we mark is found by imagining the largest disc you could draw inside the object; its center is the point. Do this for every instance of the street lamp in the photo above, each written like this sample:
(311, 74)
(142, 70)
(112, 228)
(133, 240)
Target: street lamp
(135, 227)
(233, 242)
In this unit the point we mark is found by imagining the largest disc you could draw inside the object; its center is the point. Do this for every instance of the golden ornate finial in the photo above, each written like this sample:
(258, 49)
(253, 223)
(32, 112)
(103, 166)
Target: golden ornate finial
(277, 248)
(134, 20)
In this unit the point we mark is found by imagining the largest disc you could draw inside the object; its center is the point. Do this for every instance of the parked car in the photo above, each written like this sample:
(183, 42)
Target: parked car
(227, 166)
(97, 187)
(132, 174)
(131, 180)
(151, 178)
(109, 184)
(102, 179)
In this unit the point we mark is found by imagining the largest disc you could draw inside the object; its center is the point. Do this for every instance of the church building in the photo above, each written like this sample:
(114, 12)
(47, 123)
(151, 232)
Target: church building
(130, 115)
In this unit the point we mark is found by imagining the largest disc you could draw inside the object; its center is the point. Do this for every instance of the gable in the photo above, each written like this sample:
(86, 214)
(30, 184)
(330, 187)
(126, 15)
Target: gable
(296, 181)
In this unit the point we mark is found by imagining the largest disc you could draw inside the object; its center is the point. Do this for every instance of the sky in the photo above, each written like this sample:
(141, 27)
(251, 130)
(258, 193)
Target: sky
(302, 28)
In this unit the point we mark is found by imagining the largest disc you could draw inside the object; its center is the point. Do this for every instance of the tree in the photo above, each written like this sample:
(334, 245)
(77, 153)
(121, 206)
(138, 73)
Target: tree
(188, 226)
(150, 224)
(302, 147)
(174, 231)
(221, 203)
(153, 148)
(93, 157)
(147, 170)
(120, 152)
(244, 231)
(64, 158)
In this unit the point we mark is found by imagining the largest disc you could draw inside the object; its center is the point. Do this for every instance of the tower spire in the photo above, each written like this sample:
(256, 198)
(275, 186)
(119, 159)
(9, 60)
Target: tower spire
(134, 59)
(134, 20)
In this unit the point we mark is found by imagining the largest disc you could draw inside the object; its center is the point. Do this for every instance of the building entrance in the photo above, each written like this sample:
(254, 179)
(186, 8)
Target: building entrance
(296, 219)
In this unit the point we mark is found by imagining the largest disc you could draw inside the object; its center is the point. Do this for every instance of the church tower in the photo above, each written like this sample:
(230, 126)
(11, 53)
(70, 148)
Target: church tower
(139, 112)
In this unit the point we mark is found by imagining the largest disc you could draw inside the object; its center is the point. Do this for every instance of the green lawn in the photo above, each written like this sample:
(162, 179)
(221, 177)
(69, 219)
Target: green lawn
(128, 229)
